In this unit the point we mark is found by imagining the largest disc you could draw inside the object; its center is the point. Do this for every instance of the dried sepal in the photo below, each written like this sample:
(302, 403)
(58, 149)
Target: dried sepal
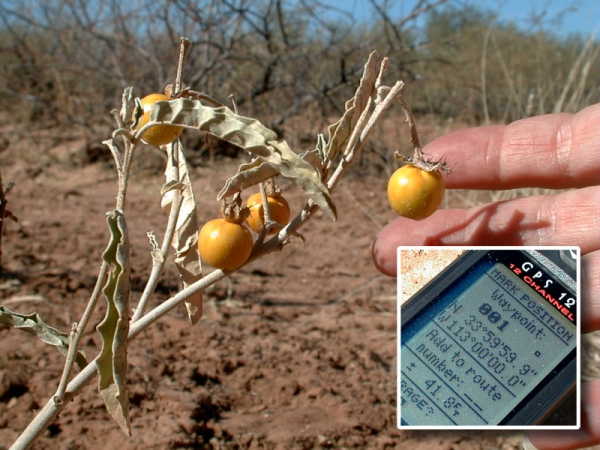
(418, 158)
(233, 209)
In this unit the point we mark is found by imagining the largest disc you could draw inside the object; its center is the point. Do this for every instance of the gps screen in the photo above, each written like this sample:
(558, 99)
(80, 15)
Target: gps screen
(479, 349)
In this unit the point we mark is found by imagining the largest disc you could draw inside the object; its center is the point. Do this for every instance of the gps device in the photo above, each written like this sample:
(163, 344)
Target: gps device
(491, 340)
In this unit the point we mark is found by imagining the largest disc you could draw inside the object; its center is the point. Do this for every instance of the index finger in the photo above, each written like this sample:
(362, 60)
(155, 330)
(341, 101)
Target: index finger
(553, 151)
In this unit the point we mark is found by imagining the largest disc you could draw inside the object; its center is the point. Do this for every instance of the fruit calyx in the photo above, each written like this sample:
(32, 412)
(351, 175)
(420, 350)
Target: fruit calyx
(419, 160)
(233, 210)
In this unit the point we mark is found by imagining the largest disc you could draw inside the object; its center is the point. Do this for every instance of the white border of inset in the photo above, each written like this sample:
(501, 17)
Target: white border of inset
(487, 427)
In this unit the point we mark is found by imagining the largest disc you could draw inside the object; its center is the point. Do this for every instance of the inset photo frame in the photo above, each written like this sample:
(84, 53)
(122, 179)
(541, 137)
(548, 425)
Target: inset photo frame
(488, 338)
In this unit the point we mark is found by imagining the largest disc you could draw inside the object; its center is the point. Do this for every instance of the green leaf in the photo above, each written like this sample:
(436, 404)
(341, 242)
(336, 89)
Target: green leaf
(273, 155)
(112, 360)
(33, 323)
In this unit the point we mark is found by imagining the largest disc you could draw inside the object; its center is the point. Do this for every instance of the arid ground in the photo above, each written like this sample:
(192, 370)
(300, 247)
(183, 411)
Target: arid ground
(296, 350)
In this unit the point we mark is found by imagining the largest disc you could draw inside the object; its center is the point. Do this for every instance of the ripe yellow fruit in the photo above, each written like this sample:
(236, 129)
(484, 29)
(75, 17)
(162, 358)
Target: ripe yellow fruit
(415, 193)
(279, 210)
(223, 244)
(158, 134)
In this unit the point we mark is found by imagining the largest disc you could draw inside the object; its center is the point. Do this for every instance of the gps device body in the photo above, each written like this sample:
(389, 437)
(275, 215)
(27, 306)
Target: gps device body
(491, 340)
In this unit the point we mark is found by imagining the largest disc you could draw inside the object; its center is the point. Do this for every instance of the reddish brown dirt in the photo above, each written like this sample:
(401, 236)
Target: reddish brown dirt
(296, 350)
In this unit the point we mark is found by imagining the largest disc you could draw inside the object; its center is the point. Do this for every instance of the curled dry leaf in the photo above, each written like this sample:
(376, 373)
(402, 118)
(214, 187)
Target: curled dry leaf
(112, 360)
(127, 105)
(317, 156)
(340, 131)
(273, 155)
(33, 323)
(185, 237)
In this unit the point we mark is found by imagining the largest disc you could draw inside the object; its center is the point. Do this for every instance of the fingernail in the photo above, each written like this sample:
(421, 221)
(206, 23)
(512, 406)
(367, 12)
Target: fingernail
(373, 256)
(381, 261)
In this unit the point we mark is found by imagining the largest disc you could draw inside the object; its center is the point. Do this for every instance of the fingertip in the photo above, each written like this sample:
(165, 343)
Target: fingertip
(383, 257)
(401, 231)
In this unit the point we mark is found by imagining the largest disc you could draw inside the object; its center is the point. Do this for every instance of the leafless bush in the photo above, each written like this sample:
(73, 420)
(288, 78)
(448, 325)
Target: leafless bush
(62, 61)
(65, 59)
(483, 70)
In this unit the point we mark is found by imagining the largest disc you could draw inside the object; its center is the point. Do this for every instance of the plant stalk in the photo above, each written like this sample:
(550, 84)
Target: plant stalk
(159, 262)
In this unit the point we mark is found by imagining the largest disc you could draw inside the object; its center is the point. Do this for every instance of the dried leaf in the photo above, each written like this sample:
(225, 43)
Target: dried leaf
(127, 105)
(316, 157)
(253, 136)
(33, 323)
(112, 360)
(254, 172)
(185, 238)
(340, 131)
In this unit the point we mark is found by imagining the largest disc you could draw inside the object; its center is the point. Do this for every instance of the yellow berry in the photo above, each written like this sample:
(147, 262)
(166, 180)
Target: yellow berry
(224, 244)
(158, 134)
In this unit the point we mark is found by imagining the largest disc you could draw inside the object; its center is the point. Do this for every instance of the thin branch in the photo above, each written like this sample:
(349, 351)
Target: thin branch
(158, 261)
(77, 332)
(412, 125)
(268, 223)
(183, 47)
(574, 73)
(70, 359)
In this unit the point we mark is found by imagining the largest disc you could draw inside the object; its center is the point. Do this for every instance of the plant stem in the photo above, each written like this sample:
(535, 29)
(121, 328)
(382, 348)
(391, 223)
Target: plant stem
(64, 378)
(412, 126)
(361, 133)
(267, 221)
(124, 176)
(45, 416)
(159, 261)
(183, 46)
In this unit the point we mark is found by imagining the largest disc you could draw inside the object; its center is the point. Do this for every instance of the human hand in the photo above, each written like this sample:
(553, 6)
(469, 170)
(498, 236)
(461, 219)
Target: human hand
(552, 151)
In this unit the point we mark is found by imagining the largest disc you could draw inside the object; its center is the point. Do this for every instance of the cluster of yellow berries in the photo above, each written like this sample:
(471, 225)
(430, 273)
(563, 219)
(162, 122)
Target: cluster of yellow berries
(225, 244)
